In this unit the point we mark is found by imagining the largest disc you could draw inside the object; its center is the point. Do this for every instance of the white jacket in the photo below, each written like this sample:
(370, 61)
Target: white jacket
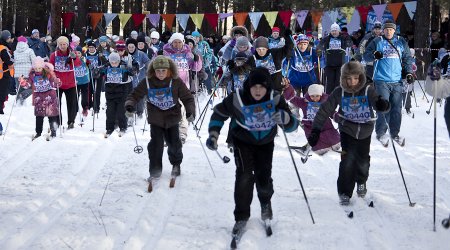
(23, 59)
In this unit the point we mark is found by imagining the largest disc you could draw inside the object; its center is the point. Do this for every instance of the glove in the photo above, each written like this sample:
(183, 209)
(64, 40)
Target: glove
(196, 57)
(72, 55)
(232, 43)
(313, 138)
(58, 82)
(281, 117)
(289, 93)
(382, 104)
(211, 142)
(190, 117)
(409, 78)
(129, 108)
(129, 114)
(378, 54)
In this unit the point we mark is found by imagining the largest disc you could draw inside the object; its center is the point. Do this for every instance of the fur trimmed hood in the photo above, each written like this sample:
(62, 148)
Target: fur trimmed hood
(353, 68)
(173, 69)
(240, 28)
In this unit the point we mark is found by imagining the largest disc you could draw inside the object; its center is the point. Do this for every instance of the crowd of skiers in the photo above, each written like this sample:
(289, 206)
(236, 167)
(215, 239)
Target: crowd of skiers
(356, 82)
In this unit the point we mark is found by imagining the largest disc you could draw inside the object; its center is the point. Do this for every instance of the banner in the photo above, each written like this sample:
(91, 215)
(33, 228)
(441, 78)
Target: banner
(67, 19)
(212, 19)
(372, 17)
(255, 17)
(182, 20)
(353, 25)
(123, 19)
(395, 8)
(411, 8)
(168, 18)
(301, 17)
(332, 15)
(108, 18)
(154, 19)
(240, 18)
(379, 10)
(285, 17)
(137, 19)
(197, 19)
(326, 25)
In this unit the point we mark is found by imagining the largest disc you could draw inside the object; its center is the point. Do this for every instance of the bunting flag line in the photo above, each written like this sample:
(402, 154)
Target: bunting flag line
(240, 18)
(123, 19)
(379, 10)
(108, 18)
(394, 8)
(363, 11)
(67, 19)
(301, 17)
(182, 20)
(353, 25)
(285, 17)
(411, 8)
(316, 15)
(225, 15)
(138, 19)
(348, 13)
(197, 19)
(212, 19)
(154, 19)
(255, 17)
(271, 17)
(168, 18)
(49, 25)
(95, 18)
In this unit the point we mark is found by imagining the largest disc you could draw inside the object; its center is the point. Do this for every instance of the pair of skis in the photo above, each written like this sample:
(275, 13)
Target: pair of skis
(349, 212)
(236, 235)
(152, 183)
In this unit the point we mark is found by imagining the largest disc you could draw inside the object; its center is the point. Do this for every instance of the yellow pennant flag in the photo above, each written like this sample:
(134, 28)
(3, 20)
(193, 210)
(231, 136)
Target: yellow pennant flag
(348, 13)
(197, 19)
(123, 19)
(271, 17)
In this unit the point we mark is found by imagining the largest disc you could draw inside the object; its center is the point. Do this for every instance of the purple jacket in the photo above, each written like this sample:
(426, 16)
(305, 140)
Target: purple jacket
(184, 59)
(329, 135)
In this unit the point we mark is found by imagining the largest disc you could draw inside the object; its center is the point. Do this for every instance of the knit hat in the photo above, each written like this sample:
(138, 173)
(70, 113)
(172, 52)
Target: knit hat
(389, 24)
(412, 52)
(75, 38)
(161, 62)
(315, 89)
(154, 34)
(133, 33)
(261, 42)
(241, 55)
(302, 38)
(196, 34)
(38, 62)
(188, 40)
(132, 41)
(315, 33)
(79, 48)
(148, 39)
(120, 45)
(242, 41)
(275, 29)
(62, 39)
(22, 39)
(34, 31)
(91, 44)
(140, 39)
(258, 75)
(335, 26)
(48, 38)
(115, 38)
(103, 39)
(377, 25)
(114, 57)
(5, 35)
(176, 36)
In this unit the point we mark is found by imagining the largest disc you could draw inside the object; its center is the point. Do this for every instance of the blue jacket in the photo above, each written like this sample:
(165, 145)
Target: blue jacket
(389, 68)
(301, 72)
(39, 47)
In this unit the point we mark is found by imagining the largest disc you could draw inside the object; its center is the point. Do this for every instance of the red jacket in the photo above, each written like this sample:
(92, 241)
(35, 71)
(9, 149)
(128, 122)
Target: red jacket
(62, 70)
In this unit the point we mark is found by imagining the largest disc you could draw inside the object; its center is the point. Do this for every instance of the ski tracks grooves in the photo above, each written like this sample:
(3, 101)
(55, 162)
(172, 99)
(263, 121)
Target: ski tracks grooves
(78, 180)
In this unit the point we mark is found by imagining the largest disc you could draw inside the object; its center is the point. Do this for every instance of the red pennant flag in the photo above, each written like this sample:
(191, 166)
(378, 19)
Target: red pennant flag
(137, 19)
(212, 19)
(363, 12)
(168, 18)
(285, 17)
(67, 18)
(95, 18)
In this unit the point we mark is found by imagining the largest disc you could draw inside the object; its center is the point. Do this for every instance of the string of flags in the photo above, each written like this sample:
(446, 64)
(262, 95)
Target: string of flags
(345, 16)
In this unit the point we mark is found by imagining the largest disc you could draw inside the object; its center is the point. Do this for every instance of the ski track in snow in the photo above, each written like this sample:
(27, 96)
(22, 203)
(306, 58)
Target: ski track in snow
(50, 192)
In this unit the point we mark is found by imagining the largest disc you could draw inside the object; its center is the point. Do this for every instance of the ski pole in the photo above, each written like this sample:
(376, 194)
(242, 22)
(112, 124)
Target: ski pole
(446, 222)
(94, 89)
(7, 123)
(60, 113)
(145, 122)
(415, 99)
(423, 91)
(431, 104)
(225, 159)
(298, 175)
(76, 89)
(308, 150)
(138, 149)
(434, 159)
(206, 155)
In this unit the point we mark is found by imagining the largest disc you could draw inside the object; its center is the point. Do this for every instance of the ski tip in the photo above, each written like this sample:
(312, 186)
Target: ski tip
(371, 204)
(150, 187)
(172, 182)
(269, 231)
(350, 215)
(233, 244)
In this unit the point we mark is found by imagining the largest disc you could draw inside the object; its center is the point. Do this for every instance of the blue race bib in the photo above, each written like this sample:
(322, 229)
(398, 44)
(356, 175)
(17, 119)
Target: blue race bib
(41, 84)
(356, 109)
(60, 64)
(113, 75)
(161, 98)
(267, 63)
(258, 117)
(311, 111)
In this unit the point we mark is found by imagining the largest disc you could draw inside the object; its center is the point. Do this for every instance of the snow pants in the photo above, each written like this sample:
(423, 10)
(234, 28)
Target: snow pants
(71, 101)
(332, 78)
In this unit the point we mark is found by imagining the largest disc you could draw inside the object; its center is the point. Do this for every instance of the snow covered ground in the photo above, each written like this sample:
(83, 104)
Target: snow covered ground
(82, 191)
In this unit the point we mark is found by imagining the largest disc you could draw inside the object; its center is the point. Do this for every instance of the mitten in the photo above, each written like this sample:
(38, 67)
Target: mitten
(211, 142)
(382, 104)
(281, 117)
(313, 138)
(378, 54)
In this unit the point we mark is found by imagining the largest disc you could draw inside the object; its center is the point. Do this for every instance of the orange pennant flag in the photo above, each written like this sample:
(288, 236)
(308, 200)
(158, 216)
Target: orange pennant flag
(240, 18)
(95, 18)
(316, 15)
(168, 18)
(394, 8)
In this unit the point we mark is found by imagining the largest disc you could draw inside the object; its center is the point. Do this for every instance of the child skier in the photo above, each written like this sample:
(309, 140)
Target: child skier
(83, 82)
(117, 87)
(356, 120)
(163, 88)
(310, 104)
(255, 112)
(45, 99)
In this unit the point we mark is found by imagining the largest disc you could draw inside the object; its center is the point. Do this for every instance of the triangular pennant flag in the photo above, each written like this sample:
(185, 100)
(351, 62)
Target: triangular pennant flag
(348, 13)
(67, 18)
(108, 18)
(379, 10)
(182, 20)
(332, 14)
(285, 17)
(225, 15)
(271, 17)
(168, 18)
(137, 19)
(316, 15)
(95, 18)
(354, 24)
(197, 19)
(363, 12)
(240, 18)
(255, 17)
(154, 19)
(301, 17)
(49, 25)
(212, 19)
(326, 24)
(411, 8)
(123, 19)
(395, 8)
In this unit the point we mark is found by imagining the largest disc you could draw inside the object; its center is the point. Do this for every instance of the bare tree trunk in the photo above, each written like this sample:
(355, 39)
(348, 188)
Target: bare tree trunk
(80, 19)
(56, 18)
(435, 15)
(422, 32)
(116, 8)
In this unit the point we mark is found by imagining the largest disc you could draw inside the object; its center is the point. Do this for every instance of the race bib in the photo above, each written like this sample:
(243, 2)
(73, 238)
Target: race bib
(238, 80)
(335, 43)
(114, 75)
(93, 60)
(161, 98)
(181, 61)
(389, 51)
(305, 66)
(60, 64)
(258, 117)
(356, 109)
(41, 84)
(267, 63)
(311, 111)
(81, 71)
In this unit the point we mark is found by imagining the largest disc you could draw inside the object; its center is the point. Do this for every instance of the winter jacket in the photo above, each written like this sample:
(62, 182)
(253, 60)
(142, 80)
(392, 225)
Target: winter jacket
(235, 77)
(235, 105)
(389, 68)
(117, 80)
(64, 68)
(184, 59)
(334, 49)
(276, 43)
(82, 73)
(229, 52)
(206, 52)
(364, 43)
(45, 100)
(162, 117)
(301, 68)
(40, 48)
(23, 59)
(142, 59)
(8, 62)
